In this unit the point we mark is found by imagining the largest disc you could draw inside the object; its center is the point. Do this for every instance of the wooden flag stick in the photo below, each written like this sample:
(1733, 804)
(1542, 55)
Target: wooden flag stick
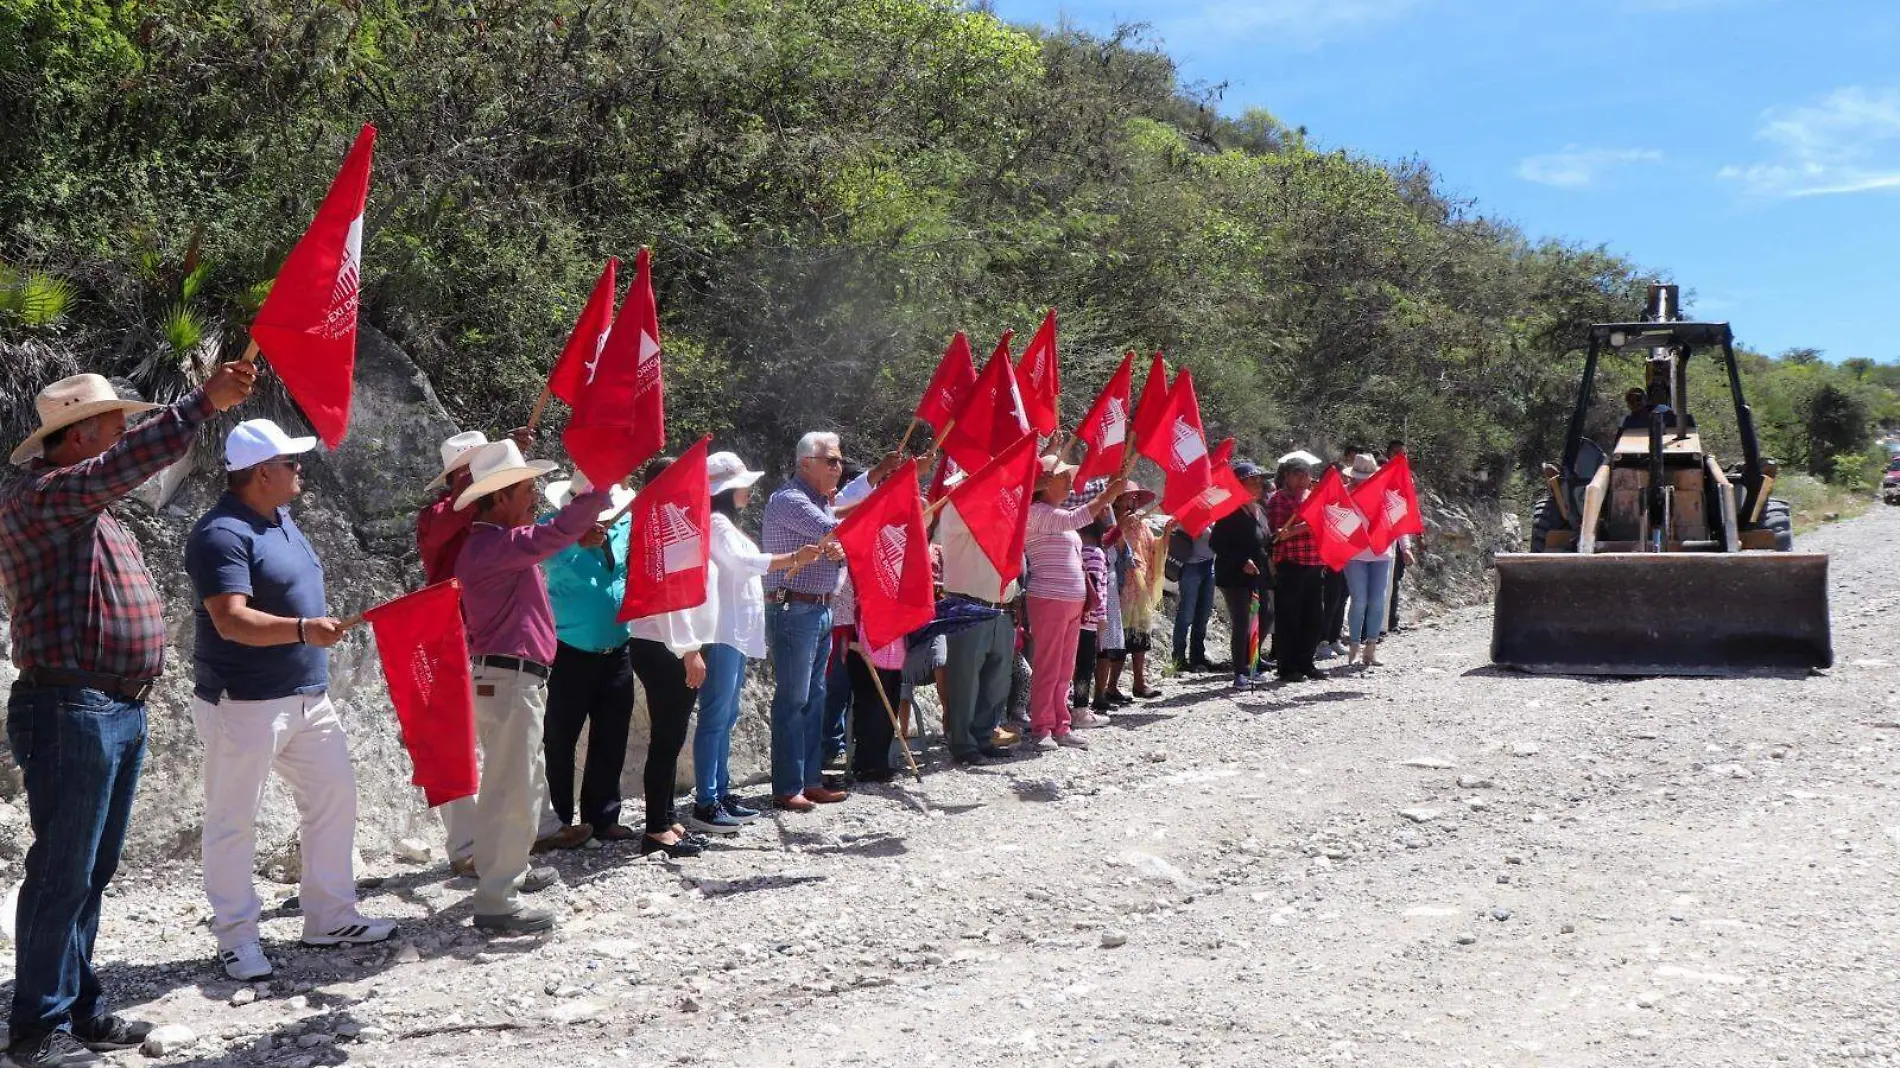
(792, 571)
(250, 353)
(354, 620)
(540, 405)
(908, 431)
(897, 728)
(938, 443)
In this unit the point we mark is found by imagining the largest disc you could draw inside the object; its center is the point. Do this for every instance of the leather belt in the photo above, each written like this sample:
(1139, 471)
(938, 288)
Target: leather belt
(119, 686)
(513, 663)
(787, 596)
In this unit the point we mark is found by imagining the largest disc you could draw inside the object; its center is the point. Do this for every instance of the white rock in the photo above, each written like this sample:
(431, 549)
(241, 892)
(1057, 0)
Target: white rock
(1114, 939)
(407, 954)
(1420, 815)
(1473, 782)
(572, 1011)
(167, 1040)
(244, 995)
(1524, 749)
(1435, 763)
(412, 850)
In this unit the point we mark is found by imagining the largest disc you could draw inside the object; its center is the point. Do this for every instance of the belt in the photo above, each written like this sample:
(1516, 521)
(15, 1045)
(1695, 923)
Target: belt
(111, 685)
(513, 663)
(1000, 606)
(787, 596)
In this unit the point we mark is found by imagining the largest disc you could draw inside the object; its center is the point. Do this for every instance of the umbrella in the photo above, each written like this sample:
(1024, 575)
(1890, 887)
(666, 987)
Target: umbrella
(953, 614)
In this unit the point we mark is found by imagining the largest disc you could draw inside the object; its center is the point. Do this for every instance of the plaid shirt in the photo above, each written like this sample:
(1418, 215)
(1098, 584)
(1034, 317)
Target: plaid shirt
(74, 579)
(1299, 547)
(796, 516)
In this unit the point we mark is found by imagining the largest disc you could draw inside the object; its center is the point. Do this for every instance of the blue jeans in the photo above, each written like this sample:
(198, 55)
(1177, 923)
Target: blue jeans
(799, 637)
(80, 751)
(1366, 582)
(718, 711)
(837, 703)
(1191, 614)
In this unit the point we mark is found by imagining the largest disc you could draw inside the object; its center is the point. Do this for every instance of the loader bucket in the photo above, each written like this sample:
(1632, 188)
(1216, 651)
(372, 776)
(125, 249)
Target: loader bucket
(1662, 613)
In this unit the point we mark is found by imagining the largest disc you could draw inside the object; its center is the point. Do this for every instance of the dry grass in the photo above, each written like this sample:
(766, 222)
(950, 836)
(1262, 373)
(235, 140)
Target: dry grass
(1816, 502)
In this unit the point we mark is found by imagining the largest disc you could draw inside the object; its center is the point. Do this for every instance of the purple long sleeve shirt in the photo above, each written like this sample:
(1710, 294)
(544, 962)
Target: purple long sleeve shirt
(504, 596)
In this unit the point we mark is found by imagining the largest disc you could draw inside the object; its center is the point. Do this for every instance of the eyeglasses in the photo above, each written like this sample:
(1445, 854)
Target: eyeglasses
(828, 461)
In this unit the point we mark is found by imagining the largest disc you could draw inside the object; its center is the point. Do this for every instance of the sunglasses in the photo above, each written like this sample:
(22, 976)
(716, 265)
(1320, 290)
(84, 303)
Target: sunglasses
(828, 461)
(294, 465)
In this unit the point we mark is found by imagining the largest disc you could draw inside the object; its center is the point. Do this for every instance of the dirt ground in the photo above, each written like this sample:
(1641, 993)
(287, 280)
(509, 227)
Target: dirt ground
(1431, 863)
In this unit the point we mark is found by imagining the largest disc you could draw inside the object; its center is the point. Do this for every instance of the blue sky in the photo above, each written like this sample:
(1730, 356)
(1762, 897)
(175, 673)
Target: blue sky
(1748, 149)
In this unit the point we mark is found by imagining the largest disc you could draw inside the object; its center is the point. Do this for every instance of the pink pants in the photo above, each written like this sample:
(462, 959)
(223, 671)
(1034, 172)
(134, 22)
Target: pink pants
(1056, 627)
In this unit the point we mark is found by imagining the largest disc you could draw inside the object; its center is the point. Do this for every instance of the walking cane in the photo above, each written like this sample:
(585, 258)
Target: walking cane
(897, 729)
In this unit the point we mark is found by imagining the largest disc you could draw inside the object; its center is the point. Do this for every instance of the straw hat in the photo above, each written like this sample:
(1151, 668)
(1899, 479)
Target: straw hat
(725, 471)
(563, 490)
(1142, 497)
(455, 453)
(1053, 467)
(1302, 458)
(1364, 466)
(498, 465)
(69, 401)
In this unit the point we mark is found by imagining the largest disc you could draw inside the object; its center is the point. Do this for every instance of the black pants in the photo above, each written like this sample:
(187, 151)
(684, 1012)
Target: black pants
(1333, 607)
(1084, 682)
(1240, 613)
(1392, 596)
(1298, 597)
(670, 707)
(871, 732)
(595, 691)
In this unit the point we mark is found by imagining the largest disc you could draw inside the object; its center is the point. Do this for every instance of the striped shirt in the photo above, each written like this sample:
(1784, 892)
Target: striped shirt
(1054, 551)
(1095, 575)
(75, 582)
(796, 516)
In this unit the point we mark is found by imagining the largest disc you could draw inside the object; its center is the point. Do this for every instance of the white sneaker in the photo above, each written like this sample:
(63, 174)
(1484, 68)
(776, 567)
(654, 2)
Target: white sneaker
(1243, 682)
(1089, 718)
(359, 931)
(1073, 740)
(1045, 742)
(1324, 652)
(246, 962)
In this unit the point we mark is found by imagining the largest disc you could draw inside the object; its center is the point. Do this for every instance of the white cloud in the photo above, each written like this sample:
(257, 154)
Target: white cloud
(1296, 23)
(1849, 142)
(1578, 168)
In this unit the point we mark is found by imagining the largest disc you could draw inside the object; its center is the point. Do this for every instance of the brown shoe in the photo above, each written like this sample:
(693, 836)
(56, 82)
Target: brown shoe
(1005, 736)
(464, 868)
(825, 796)
(566, 838)
(616, 832)
(794, 803)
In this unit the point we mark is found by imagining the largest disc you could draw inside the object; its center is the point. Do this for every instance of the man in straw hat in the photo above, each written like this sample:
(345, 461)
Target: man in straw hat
(261, 701)
(511, 639)
(89, 639)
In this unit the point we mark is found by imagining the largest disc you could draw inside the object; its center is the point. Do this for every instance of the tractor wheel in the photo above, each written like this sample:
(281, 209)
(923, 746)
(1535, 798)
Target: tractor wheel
(1545, 518)
(1778, 517)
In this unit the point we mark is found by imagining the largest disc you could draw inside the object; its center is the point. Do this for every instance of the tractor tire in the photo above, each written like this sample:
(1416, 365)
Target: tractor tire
(1545, 518)
(1778, 517)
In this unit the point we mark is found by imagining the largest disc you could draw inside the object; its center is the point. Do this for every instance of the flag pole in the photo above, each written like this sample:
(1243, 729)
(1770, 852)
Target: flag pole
(884, 698)
(908, 431)
(540, 404)
(250, 353)
(938, 443)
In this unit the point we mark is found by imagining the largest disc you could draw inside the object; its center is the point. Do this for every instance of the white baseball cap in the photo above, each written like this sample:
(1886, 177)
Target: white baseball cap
(255, 440)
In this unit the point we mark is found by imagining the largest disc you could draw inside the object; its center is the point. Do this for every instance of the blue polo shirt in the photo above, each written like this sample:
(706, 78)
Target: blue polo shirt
(235, 550)
(586, 592)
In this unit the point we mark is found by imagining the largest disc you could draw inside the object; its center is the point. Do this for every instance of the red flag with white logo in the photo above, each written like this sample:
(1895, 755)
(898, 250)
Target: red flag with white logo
(667, 550)
(994, 503)
(1335, 520)
(1389, 502)
(619, 419)
(1223, 496)
(424, 650)
(956, 373)
(1041, 378)
(1154, 397)
(889, 556)
(1105, 428)
(991, 416)
(307, 325)
(1178, 445)
(1223, 453)
(940, 481)
(580, 358)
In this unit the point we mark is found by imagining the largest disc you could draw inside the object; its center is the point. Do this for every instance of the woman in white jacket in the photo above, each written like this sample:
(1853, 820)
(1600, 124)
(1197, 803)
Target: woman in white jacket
(1367, 576)
(737, 599)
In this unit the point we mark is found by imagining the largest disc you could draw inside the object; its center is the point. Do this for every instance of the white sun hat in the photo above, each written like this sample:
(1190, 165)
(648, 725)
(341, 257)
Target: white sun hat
(255, 440)
(72, 400)
(455, 453)
(498, 465)
(725, 471)
(562, 490)
(1301, 456)
(1053, 467)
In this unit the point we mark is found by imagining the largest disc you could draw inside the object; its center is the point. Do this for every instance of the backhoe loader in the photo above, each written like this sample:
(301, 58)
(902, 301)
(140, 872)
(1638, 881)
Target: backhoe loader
(1650, 557)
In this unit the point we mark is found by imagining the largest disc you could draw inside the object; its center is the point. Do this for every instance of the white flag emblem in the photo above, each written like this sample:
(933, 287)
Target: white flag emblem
(1010, 504)
(887, 559)
(339, 319)
(1114, 423)
(1189, 446)
(1343, 522)
(1213, 496)
(675, 547)
(647, 374)
(1395, 507)
(600, 343)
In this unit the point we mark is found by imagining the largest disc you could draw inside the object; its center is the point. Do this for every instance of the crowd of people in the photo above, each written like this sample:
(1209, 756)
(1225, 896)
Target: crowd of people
(1042, 658)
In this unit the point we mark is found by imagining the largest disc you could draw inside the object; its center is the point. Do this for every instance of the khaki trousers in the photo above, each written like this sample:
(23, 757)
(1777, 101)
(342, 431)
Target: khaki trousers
(509, 709)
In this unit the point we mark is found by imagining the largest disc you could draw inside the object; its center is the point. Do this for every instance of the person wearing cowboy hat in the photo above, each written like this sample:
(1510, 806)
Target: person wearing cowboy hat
(261, 701)
(511, 642)
(591, 684)
(88, 638)
(1058, 594)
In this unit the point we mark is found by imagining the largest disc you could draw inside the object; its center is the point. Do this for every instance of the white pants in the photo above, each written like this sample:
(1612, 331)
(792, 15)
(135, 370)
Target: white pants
(510, 707)
(303, 739)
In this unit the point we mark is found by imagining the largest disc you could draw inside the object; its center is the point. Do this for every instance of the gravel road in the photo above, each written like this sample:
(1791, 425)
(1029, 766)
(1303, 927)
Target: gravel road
(1431, 863)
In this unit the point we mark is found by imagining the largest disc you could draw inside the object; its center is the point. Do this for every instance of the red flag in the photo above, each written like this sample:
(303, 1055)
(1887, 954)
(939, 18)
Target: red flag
(1223, 496)
(956, 373)
(1389, 502)
(580, 358)
(991, 417)
(940, 481)
(619, 419)
(307, 325)
(425, 661)
(1041, 379)
(1334, 520)
(1105, 428)
(994, 503)
(667, 550)
(889, 556)
(1222, 454)
(1154, 397)
(1179, 445)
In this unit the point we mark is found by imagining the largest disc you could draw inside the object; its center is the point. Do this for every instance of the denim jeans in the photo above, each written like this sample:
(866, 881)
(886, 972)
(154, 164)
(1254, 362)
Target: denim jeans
(1191, 614)
(1365, 616)
(838, 698)
(80, 751)
(799, 637)
(718, 712)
